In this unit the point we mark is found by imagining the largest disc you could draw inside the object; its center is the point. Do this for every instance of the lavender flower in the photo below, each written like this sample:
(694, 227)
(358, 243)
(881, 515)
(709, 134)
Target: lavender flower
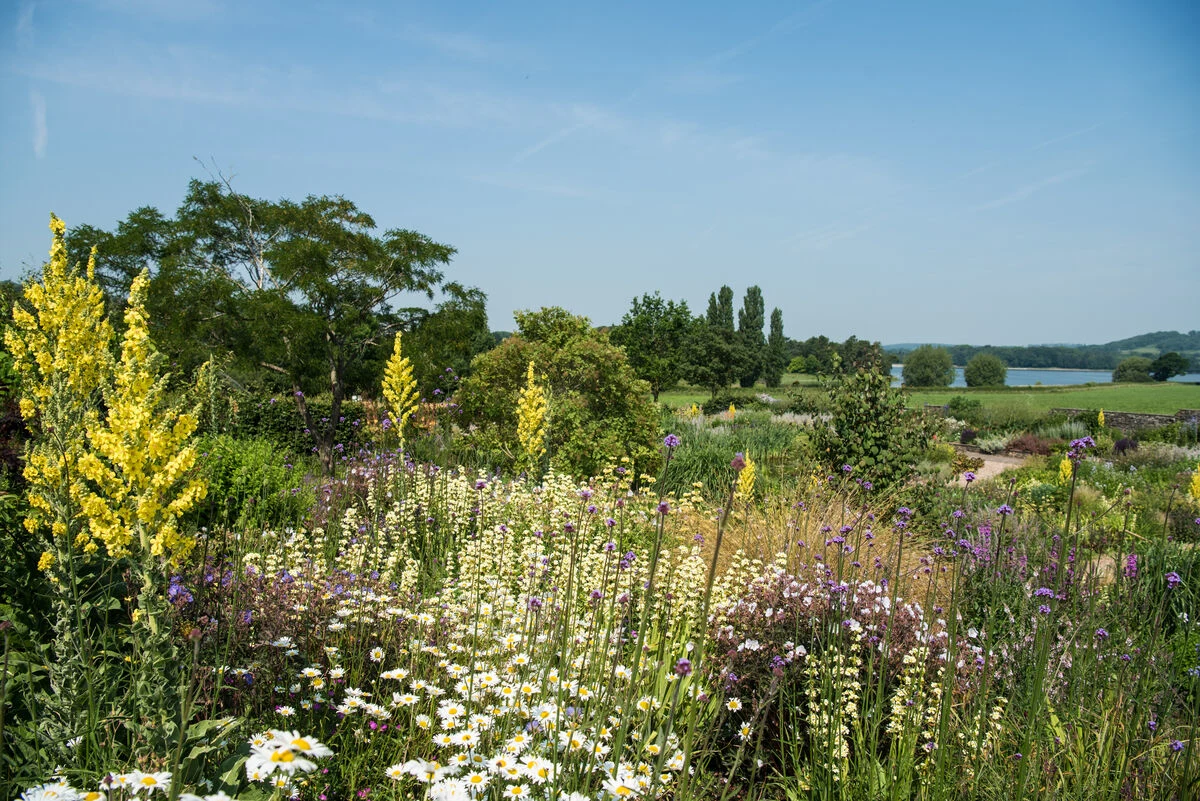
(1173, 580)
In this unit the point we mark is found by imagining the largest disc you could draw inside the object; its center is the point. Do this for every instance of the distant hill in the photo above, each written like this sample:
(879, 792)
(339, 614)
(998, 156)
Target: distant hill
(1087, 357)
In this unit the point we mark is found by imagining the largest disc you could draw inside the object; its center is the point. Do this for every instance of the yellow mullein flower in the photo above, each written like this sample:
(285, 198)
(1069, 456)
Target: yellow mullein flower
(732, 411)
(1194, 489)
(745, 481)
(140, 460)
(531, 420)
(59, 342)
(1064, 471)
(46, 561)
(399, 388)
(1100, 419)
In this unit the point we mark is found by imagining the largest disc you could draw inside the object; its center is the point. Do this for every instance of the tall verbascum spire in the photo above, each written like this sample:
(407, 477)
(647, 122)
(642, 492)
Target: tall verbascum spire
(531, 421)
(60, 348)
(399, 388)
(745, 480)
(140, 459)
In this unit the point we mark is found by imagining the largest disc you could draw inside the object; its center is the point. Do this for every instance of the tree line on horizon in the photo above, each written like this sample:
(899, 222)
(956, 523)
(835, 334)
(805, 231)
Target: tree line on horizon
(1077, 357)
(932, 366)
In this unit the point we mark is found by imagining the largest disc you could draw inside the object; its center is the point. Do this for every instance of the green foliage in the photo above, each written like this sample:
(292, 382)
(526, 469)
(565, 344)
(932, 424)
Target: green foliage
(252, 484)
(653, 334)
(447, 338)
(776, 357)
(274, 419)
(750, 341)
(985, 370)
(740, 399)
(1134, 370)
(928, 366)
(778, 450)
(1168, 365)
(300, 293)
(720, 311)
(870, 429)
(961, 407)
(710, 357)
(598, 409)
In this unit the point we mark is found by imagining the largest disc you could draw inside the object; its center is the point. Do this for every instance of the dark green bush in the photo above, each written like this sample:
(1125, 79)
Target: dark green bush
(871, 431)
(963, 408)
(742, 401)
(276, 419)
(252, 483)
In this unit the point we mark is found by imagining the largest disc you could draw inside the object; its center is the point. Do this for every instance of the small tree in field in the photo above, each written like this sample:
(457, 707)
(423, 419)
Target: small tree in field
(985, 370)
(653, 333)
(1134, 370)
(1168, 365)
(870, 429)
(928, 366)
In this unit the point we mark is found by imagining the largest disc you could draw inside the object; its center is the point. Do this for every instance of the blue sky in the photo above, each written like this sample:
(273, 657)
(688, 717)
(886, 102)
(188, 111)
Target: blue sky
(981, 172)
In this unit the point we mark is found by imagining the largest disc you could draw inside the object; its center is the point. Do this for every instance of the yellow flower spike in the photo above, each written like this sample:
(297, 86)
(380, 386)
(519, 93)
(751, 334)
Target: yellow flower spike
(1194, 489)
(531, 420)
(732, 411)
(138, 487)
(1064, 471)
(59, 342)
(45, 561)
(399, 388)
(1100, 419)
(745, 482)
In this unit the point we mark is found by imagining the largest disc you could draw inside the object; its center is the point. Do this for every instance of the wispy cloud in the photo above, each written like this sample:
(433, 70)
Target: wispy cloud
(40, 133)
(794, 21)
(198, 76)
(24, 26)
(1030, 189)
(699, 76)
(174, 10)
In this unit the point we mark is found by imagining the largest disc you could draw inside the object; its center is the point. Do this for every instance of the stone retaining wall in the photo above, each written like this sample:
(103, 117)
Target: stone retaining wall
(1134, 421)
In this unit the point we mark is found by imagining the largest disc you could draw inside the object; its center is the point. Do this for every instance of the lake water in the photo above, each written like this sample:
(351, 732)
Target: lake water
(1028, 376)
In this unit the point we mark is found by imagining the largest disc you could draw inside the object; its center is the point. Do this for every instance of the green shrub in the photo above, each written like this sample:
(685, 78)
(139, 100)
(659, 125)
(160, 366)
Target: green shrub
(599, 410)
(963, 408)
(741, 401)
(251, 484)
(993, 443)
(276, 420)
(928, 366)
(870, 430)
(1070, 429)
(1183, 433)
(985, 370)
(1135, 369)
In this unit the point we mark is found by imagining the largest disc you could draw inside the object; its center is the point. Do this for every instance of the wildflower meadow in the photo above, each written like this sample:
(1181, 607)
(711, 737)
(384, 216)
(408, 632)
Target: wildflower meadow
(766, 604)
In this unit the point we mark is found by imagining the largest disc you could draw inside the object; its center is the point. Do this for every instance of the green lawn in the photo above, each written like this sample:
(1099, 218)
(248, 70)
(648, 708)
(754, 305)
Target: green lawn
(1149, 398)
